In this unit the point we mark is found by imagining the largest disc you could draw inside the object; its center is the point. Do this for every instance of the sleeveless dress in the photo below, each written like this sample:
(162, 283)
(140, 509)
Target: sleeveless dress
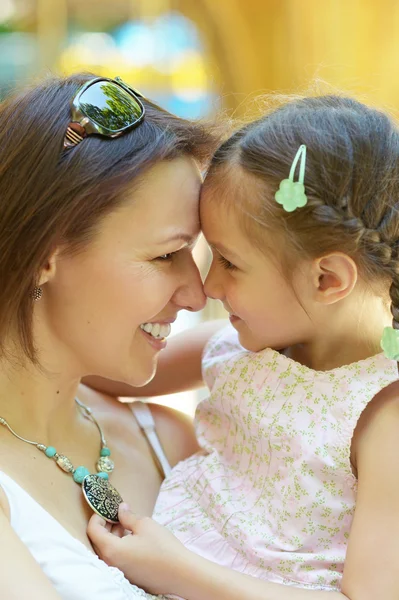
(272, 493)
(75, 571)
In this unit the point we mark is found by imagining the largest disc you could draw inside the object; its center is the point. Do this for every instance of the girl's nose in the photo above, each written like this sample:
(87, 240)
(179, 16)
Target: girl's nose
(212, 285)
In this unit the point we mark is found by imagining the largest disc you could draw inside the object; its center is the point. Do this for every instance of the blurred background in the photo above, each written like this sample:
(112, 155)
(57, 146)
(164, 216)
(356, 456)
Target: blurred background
(196, 57)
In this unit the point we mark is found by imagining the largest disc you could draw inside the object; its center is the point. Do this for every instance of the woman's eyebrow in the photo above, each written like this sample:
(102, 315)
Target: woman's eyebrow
(184, 237)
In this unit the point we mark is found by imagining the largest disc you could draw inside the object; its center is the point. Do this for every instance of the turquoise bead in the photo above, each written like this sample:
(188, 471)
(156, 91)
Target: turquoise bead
(105, 451)
(50, 451)
(103, 475)
(80, 473)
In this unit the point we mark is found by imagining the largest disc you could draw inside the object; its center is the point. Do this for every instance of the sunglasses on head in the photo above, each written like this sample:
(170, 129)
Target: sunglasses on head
(103, 106)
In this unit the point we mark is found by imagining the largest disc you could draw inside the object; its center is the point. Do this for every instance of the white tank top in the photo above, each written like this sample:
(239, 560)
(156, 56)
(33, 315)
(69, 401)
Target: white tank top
(75, 571)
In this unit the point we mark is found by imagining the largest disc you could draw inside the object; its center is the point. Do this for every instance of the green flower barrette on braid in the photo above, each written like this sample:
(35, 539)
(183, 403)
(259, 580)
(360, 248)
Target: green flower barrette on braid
(291, 194)
(390, 343)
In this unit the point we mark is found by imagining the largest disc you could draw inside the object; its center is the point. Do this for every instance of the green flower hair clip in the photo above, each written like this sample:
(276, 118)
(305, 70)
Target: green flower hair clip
(291, 194)
(390, 343)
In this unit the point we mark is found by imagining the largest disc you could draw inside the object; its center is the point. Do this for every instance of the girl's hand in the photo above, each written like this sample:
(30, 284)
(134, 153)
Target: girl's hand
(147, 553)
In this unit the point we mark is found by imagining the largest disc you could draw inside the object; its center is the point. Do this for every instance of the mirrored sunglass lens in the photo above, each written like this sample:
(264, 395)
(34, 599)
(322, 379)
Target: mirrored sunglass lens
(109, 105)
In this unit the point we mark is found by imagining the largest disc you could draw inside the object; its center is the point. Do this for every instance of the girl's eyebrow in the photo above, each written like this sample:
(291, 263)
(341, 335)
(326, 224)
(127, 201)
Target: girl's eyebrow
(223, 250)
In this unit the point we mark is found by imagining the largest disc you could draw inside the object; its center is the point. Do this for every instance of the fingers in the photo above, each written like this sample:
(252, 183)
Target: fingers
(127, 519)
(98, 530)
(108, 526)
(119, 531)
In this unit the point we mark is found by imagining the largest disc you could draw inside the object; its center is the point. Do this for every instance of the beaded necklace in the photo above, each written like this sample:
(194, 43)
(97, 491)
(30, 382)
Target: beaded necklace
(99, 494)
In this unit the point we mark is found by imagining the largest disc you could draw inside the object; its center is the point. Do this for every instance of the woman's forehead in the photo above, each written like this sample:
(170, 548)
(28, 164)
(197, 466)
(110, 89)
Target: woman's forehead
(165, 204)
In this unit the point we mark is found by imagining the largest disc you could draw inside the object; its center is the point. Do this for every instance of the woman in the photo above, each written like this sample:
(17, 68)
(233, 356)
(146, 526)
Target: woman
(96, 237)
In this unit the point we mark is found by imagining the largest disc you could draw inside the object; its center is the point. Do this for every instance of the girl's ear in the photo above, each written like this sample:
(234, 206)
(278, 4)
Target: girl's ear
(334, 277)
(48, 271)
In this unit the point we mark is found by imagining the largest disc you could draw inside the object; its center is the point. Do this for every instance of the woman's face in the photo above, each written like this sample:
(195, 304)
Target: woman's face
(138, 270)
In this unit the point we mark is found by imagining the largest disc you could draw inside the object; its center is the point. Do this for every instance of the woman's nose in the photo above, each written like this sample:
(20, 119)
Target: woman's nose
(190, 294)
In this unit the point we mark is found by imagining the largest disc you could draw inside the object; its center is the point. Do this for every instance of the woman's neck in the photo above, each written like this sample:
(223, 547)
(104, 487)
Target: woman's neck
(348, 333)
(38, 405)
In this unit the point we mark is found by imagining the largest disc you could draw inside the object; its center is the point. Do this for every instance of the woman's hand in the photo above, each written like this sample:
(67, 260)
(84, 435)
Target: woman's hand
(148, 554)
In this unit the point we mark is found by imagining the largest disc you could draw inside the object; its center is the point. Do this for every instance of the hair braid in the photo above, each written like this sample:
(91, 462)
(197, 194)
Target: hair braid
(351, 182)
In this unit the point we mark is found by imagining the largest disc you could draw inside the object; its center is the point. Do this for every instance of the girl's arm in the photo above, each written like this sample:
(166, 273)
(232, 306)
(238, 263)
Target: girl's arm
(201, 579)
(20, 575)
(179, 366)
(372, 561)
(155, 560)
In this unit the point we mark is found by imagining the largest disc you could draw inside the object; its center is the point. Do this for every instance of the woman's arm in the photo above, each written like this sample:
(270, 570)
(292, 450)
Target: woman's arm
(179, 366)
(21, 577)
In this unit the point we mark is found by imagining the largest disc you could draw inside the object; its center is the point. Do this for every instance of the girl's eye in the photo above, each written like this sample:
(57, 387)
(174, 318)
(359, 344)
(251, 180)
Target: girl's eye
(226, 264)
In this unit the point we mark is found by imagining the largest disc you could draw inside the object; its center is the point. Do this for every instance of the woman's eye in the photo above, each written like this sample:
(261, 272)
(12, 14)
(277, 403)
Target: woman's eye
(165, 257)
(226, 264)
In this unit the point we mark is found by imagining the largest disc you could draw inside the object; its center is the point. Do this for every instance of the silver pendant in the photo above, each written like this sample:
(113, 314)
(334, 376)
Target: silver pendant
(102, 497)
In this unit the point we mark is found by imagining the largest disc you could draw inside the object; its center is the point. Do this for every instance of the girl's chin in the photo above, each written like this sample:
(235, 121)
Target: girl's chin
(250, 344)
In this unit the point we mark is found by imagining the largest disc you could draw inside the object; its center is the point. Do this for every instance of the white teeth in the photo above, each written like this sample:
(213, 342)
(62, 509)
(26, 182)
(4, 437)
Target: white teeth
(157, 330)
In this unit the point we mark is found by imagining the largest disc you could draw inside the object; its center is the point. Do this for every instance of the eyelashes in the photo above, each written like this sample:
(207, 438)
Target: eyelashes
(226, 264)
(166, 257)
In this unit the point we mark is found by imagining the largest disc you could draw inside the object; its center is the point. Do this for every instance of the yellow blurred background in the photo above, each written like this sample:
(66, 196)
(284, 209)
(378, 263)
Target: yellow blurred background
(196, 57)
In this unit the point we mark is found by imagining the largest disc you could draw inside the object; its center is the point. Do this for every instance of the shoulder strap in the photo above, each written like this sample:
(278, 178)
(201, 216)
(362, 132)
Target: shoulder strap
(146, 422)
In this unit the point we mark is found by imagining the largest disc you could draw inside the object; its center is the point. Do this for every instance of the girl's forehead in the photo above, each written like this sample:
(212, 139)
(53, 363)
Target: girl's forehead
(214, 211)
(220, 222)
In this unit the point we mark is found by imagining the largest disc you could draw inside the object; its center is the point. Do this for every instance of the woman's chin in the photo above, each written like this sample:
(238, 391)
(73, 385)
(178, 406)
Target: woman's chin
(142, 374)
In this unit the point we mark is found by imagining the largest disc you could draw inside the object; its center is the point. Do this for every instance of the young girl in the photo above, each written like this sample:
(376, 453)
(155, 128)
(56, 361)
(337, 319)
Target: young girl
(298, 472)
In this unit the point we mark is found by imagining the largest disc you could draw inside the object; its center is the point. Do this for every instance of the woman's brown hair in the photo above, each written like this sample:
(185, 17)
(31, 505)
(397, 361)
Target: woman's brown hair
(351, 181)
(49, 197)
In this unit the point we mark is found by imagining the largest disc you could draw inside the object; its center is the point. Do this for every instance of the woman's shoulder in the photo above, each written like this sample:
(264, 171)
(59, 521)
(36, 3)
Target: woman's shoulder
(4, 504)
(175, 429)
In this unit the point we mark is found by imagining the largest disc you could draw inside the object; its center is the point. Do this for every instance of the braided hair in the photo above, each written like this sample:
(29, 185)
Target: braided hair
(351, 180)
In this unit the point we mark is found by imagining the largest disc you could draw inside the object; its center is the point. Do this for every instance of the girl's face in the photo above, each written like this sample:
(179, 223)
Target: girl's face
(138, 269)
(262, 304)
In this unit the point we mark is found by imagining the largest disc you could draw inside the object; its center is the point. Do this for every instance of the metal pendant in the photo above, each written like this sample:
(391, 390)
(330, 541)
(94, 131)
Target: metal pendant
(105, 464)
(102, 497)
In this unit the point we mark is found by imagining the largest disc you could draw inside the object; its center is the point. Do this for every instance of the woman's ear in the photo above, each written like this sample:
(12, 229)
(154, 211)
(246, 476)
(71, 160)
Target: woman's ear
(48, 271)
(334, 276)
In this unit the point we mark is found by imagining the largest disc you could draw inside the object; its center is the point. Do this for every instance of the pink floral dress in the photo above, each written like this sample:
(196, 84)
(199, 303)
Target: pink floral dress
(272, 494)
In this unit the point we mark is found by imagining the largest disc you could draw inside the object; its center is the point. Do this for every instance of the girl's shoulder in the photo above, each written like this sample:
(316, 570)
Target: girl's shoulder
(225, 341)
(220, 350)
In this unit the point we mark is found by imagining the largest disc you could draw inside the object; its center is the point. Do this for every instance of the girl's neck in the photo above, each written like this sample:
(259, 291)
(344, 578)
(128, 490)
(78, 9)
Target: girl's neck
(350, 334)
